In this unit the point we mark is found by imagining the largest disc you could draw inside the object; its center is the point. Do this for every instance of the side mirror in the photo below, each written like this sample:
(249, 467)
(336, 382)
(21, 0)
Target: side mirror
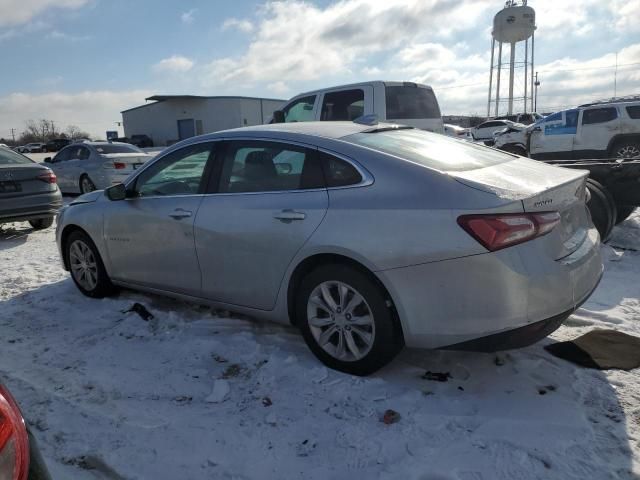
(278, 116)
(47, 160)
(116, 192)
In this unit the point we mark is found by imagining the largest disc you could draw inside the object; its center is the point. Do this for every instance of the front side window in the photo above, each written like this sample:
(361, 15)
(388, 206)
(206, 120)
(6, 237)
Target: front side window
(599, 115)
(83, 153)
(178, 173)
(63, 155)
(268, 167)
(300, 110)
(345, 105)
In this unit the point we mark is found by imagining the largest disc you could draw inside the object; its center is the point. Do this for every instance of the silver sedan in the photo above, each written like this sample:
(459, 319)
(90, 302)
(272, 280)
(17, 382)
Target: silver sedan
(87, 166)
(367, 237)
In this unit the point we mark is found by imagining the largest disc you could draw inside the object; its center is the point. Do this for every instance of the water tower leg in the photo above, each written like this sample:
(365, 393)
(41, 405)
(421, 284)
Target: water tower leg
(493, 46)
(512, 66)
(526, 74)
(533, 39)
(498, 79)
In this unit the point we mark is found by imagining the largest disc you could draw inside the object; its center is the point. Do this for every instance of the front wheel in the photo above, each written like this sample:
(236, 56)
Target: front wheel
(86, 185)
(87, 269)
(627, 149)
(346, 320)
(41, 223)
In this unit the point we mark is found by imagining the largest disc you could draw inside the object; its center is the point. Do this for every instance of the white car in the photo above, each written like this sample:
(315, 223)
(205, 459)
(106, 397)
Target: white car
(403, 103)
(35, 147)
(456, 131)
(484, 132)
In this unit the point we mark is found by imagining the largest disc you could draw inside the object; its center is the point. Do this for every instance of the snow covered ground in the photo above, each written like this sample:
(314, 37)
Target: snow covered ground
(197, 394)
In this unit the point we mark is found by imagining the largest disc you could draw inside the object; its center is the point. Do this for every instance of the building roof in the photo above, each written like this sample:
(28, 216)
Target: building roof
(163, 98)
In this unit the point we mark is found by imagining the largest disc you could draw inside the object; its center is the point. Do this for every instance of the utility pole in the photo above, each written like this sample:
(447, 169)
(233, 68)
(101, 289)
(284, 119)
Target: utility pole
(13, 134)
(615, 78)
(536, 84)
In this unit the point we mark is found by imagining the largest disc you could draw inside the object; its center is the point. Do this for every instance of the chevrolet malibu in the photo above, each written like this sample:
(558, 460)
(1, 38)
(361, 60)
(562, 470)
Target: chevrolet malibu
(367, 237)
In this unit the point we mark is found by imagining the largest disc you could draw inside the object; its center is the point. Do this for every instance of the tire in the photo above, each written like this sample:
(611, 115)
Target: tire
(515, 150)
(41, 223)
(86, 185)
(602, 207)
(80, 250)
(376, 337)
(624, 211)
(626, 149)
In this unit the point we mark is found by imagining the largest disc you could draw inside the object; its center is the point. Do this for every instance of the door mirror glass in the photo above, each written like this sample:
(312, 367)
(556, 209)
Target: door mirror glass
(47, 160)
(116, 192)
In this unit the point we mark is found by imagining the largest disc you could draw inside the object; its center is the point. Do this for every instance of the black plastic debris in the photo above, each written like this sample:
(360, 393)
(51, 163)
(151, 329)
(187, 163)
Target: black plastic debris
(140, 310)
(437, 376)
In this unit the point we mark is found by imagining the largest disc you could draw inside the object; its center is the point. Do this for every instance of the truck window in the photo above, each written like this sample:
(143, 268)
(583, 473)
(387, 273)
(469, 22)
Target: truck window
(345, 105)
(634, 112)
(599, 115)
(301, 110)
(408, 102)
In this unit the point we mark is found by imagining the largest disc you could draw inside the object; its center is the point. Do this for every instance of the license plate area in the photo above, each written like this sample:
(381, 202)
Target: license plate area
(10, 187)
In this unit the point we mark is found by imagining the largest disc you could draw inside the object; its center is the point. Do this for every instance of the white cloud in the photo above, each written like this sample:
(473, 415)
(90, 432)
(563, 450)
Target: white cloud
(16, 12)
(93, 111)
(174, 64)
(279, 88)
(233, 23)
(58, 35)
(188, 17)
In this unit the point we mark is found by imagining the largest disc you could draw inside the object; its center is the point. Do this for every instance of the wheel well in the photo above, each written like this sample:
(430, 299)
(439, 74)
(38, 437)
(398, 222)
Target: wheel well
(68, 230)
(615, 141)
(310, 263)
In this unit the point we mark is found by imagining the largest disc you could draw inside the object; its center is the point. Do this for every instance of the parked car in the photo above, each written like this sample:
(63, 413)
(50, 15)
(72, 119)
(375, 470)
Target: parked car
(456, 131)
(28, 191)
(84, 167)
(56, 144)
(34, 147)
(523, 118)
(399, 102)
(484, 132)
(141, 141)
(592, 137)
(19, 453)
(300, 223)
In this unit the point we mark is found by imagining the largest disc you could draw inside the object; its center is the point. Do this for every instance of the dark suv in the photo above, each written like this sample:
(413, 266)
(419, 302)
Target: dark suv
(141, 141)
(56, 144)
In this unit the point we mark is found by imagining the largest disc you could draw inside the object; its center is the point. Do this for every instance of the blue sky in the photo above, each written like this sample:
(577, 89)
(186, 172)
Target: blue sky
(83, 61)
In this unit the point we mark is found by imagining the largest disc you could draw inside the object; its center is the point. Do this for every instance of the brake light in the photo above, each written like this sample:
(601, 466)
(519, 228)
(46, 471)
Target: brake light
(119, 165)
(14, 441)
(497, 231)
(48, 177)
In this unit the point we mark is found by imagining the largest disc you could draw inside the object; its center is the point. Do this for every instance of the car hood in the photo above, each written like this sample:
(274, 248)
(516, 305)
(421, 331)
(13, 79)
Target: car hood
(87, 197)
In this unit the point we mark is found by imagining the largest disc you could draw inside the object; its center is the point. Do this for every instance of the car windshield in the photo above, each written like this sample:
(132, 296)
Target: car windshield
(8, 157)
(430, 149)
(112, 148)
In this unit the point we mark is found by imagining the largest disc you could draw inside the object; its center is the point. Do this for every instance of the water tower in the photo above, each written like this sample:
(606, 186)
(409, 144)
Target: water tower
(514, 25)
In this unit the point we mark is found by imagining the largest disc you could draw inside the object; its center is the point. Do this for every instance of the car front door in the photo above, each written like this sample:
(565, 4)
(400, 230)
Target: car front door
(554, 137)
(59, 164)
(597, 127)
(270, 198)
(149, 236)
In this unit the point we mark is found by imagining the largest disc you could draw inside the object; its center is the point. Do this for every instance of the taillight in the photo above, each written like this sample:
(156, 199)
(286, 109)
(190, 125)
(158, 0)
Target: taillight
(119, 165)
(14, 441)
(48, 177)
(497, 231)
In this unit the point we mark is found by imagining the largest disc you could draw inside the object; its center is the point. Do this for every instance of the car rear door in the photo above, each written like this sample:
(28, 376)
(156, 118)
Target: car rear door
(149, 236)
(269, 198)
(59, 164)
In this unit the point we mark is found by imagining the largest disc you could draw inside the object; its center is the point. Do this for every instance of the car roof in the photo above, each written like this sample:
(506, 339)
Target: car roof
(333, 130)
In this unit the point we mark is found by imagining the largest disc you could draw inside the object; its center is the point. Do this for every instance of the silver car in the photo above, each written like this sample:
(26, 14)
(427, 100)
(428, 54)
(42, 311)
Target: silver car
(367, 237)
(28, 191)
(84, 167)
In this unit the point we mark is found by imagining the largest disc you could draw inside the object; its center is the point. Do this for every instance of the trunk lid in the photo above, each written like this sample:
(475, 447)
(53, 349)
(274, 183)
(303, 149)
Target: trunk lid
(22, 180)
(540, 188)
(125, 162)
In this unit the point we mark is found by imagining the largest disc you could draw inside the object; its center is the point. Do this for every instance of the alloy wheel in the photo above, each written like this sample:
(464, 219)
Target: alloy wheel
(628, 151)
(341, 321)
(84, 266)
(86, 185)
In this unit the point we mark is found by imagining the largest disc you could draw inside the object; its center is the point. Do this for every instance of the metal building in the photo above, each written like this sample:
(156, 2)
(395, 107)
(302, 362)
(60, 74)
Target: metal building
(171, 118)
(514, 26)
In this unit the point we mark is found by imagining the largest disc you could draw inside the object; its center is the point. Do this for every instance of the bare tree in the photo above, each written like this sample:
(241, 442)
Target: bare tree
(42, 130)
(74, 132)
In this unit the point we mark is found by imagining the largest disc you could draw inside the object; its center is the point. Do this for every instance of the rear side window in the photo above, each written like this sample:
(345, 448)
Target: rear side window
(634, 112)
(405, 102)
(300, 110)
(337, 172)
(345, 105)
(430, 149)
(7, 157)
(599, 115)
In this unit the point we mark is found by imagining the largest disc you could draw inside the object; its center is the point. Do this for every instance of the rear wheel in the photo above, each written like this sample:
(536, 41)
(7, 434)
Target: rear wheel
(41, 223)
(86, 185)
(602, 207)
(87, 269)
(627, 149)
(624, 211)
(346, 321)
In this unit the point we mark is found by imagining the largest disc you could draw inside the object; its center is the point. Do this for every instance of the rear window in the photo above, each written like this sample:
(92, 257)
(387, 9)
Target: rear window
(634, 112)
(8, 157)
(107, 149)
(599, 115)
(411, 103)
(430, 149)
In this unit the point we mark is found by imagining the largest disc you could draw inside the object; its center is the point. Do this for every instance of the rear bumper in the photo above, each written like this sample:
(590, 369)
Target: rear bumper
(32, 207)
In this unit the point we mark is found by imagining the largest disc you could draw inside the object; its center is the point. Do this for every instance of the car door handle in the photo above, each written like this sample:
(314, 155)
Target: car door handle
(179, 213)
(289, 215)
